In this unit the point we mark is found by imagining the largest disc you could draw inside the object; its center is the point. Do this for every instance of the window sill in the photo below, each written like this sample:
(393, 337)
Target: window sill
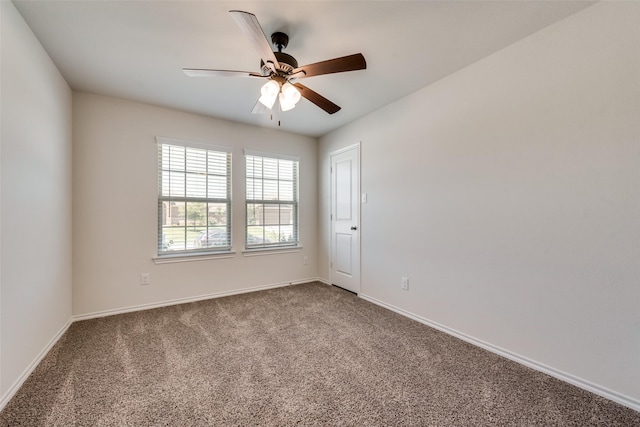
(168, 259)
(271, 251)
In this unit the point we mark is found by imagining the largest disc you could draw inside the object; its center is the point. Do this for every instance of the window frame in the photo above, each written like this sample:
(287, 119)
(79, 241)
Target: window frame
(295, 202)
(224, 249)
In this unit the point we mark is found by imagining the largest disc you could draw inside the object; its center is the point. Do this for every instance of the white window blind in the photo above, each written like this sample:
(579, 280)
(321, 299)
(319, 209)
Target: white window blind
(271, 202)
(194, 199)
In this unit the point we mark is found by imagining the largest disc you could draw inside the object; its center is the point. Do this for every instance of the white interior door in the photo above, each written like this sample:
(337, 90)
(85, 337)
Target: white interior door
(345, 219)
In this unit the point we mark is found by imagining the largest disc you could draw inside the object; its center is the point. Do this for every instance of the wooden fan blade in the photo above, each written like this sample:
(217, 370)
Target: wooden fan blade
(337, 65)
(202, 72)
(317, 99)
(249, 24)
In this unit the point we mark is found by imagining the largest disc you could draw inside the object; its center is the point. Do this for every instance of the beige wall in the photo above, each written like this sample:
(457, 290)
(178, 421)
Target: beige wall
(35, 201)
(115, 206)
(509, 194)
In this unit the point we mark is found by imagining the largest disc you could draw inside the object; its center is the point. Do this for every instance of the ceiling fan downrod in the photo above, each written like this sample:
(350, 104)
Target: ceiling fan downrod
(280, 40)
(287, 62)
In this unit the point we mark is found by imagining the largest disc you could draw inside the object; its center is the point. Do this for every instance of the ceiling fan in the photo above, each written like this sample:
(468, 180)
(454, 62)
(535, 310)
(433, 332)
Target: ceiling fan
(281, 70)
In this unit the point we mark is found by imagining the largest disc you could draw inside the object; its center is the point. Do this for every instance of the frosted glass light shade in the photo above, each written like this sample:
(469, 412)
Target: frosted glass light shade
(290, 93)
(269, 93)
(289, 97)
(285, 104)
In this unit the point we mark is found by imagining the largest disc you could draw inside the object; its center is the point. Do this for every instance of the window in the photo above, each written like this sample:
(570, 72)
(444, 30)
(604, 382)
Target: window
(194, 198)
(271, 201)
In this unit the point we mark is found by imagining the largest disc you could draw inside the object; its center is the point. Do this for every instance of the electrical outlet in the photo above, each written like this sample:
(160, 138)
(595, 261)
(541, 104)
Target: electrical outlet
(305, 260)
(145, 279)
(405, 283)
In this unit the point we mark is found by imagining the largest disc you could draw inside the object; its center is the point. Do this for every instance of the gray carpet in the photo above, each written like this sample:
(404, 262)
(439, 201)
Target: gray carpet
(301, 355)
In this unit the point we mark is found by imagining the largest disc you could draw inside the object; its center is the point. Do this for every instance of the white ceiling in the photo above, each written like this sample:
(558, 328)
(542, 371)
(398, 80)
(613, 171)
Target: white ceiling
(137, 49)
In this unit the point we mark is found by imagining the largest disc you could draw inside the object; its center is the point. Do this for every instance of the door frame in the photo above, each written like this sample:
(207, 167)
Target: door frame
(357, 147)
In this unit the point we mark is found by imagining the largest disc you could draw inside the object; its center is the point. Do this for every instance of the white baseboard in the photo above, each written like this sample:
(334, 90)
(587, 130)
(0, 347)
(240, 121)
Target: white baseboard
(563, 376)
(176, 301)
(32, 366)
(578, 382)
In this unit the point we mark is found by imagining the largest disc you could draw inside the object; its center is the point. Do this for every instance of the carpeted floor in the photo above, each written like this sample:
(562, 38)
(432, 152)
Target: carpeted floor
(301, 355)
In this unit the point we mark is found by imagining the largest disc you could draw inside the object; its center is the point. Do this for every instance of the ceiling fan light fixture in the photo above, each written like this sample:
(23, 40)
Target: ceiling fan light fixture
(285, 104)
(290, 93)
(289, 97)
(269, 93)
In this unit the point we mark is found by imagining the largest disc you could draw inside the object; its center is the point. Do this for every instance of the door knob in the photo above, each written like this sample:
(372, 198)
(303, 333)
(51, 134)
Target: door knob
(354, 228)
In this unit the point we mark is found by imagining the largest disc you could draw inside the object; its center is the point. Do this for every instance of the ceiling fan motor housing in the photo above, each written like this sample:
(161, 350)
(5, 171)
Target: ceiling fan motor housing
(286, 60)
(287, 63)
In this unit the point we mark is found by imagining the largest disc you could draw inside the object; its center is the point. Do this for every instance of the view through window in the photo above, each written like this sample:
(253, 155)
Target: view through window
(194, 199)
(271, 202)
